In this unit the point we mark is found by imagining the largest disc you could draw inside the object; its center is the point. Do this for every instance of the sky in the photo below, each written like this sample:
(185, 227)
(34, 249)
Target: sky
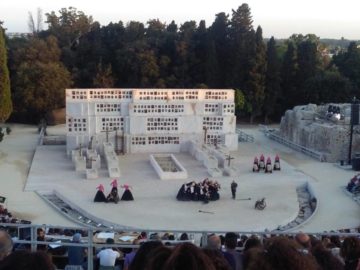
(278, 18)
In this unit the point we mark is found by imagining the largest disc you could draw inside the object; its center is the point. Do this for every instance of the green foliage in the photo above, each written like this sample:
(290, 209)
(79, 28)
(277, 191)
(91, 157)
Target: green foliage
(273, 81)
(239, 100)
(327, 87)
(5, 94)
(348, 64)
(228, 54)
(103, 78)
(40, 79)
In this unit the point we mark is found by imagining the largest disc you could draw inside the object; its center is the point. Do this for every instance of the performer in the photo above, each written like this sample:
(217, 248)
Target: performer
(113, 195)
(181, 196)
(233, 189)
(277, 163)
(262, 162)
(256, 167)
(268, 167)
(127, 195)
(100, 196)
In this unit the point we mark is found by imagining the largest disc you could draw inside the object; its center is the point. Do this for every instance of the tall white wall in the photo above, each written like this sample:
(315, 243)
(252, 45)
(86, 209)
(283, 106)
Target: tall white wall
(153, 120)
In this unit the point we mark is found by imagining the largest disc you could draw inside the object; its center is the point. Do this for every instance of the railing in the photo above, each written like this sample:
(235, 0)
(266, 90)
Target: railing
(244, 137)
(309, 152)
(89, 243)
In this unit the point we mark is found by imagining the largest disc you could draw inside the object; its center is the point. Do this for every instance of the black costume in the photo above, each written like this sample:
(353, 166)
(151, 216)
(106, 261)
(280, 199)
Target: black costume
(127, 195)
(113, 195)
(203, 191)
(233, 189)
(100, 197)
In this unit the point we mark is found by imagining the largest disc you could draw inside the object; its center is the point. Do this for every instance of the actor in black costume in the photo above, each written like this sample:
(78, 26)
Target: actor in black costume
(100, 196)
(233, 189)
(127, 195)
(113, 195)
(202, 191)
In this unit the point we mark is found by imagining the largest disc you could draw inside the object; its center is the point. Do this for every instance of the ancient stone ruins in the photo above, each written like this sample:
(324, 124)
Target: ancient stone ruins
(324, 128)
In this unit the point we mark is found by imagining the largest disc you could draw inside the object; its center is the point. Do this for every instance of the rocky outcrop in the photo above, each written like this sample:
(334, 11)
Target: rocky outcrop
(311, 126)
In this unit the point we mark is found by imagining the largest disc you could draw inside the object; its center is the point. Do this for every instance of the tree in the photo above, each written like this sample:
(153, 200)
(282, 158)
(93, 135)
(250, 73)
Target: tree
(35, 27)
(255, 83)
(273, 80)
(103, 78)
(308, 60)
(348, 64)
(288, 97)
(242, 42)
(329, 86)
(5, 94)
(40, 79)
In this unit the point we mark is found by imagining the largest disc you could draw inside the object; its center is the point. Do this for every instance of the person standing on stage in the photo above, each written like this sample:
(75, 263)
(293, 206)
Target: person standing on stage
(233, 189)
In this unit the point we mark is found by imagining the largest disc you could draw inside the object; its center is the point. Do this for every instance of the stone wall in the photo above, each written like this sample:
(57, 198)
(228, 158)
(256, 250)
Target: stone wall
(309, 126)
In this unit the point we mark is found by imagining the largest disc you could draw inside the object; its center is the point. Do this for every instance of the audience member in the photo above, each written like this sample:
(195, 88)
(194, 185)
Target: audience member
(350, 251)
(26, 260)
(158, 257)
(76, 255)
(325, 259)
(252, 242)
(217, 259)
(184, 236)
(283, 254)
(6, 244)
(214, 243)
(130, 256)
(108, 256)
(41, 237)
(304, 241)
(142, 258)
(230, 248)
(190, 257)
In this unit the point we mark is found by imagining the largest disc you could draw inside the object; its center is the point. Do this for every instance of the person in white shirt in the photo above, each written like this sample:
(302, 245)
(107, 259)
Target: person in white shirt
(108, 256)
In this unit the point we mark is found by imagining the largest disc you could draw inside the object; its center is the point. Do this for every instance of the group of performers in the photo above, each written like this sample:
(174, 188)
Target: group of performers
(267, 167)
(113, 195)
(204, 191)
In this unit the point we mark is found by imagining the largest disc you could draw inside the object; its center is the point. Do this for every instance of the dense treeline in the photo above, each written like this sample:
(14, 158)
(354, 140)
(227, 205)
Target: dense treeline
(268, 77)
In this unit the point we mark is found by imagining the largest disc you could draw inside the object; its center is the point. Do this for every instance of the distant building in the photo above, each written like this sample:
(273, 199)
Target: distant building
(150, 120)
(16, 34)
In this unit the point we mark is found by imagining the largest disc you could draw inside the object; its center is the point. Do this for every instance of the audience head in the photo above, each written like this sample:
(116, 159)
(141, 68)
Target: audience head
(252, 242)
(217, 258)
(6, 244)
(142, 255)
(110, 241)
(213, 242)
(231, 240)
(188, 256)
(283, 254)
(326, 259)
(26, 260)
(303, 240)
(184, 237)
(158, 257)
(76, 238)
(350, 249)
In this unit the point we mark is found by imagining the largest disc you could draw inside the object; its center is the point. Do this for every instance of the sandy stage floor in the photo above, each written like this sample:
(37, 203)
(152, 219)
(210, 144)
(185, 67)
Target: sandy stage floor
(155, 206)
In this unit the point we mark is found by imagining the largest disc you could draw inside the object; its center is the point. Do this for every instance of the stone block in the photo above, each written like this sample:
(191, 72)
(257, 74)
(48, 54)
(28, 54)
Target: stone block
(214, 172)
(114, 172)
(91, 174)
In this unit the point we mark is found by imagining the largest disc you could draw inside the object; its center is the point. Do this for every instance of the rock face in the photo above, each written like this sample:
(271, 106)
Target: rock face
(311, 126)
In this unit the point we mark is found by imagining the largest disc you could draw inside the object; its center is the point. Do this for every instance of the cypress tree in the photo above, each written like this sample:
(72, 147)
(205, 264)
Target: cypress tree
(256, 79)
(5, 94)
(272, 85)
